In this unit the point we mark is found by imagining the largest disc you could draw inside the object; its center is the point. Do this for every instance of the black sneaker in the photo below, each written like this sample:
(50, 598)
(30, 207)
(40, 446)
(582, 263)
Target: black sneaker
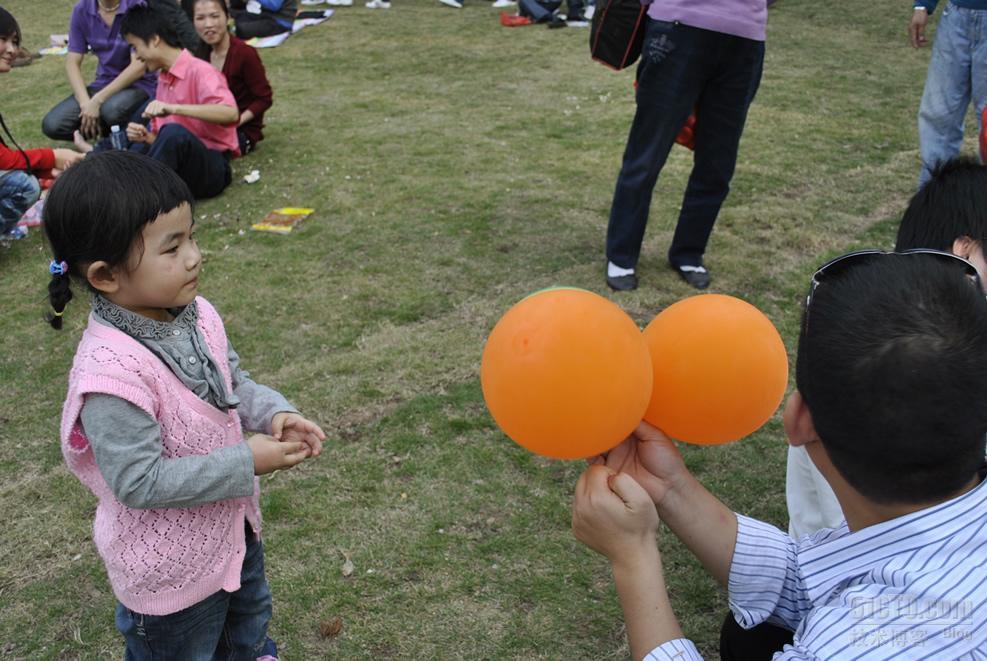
(696, 276)
(555, 22)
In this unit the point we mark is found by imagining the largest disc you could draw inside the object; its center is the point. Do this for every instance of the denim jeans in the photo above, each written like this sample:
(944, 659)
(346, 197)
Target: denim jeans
(683, 69)
(957, 74)
(18, 191)
(223, 626)
(62, 120)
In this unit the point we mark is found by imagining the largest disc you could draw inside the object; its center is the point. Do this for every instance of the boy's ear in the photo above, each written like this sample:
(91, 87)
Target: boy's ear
(797, 420)
(963, 246)
(102, 277)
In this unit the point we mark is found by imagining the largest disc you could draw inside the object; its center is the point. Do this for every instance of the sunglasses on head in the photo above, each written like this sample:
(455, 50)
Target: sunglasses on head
(842, 263)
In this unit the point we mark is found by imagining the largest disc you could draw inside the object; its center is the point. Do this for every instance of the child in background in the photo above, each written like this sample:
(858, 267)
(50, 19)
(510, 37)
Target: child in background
(153, 419)
(19, 186)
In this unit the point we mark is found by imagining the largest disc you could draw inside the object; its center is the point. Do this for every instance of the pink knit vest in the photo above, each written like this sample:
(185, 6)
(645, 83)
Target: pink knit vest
(159, 561)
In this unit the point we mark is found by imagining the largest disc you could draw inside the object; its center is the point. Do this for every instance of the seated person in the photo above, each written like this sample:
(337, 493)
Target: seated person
(546, 11)
(174, 14)
(946, 214)
(891, 377)
(19, 186)
(193, 118)
(122, 85)
(241, 65)
(263, 18)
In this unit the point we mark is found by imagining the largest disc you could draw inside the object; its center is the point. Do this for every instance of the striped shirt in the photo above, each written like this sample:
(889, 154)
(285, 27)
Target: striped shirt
(914, 587)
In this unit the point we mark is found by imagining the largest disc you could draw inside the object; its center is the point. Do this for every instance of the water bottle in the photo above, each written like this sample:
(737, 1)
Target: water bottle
(118, 138)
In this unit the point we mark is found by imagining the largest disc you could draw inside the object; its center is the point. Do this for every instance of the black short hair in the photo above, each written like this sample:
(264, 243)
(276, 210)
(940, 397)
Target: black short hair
(892, 363)
(97, 210)
(143, 22)
(9, 26)
(951, 205)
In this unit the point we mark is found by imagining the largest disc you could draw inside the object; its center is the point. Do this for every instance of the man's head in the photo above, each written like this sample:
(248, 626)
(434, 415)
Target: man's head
(892, 365)
(151, 35)
(950, 213)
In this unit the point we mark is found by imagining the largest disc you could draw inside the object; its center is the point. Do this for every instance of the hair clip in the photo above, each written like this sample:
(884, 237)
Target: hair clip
(58, 268)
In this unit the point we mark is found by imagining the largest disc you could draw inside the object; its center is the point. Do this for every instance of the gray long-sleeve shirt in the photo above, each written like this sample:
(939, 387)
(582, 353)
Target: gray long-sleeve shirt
(126, 440)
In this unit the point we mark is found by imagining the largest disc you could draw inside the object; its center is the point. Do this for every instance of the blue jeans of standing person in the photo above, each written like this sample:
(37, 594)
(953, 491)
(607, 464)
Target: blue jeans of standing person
(18, 191)
(682, 69)
(63, 120)
(225, 625)
(206, 171)
(957, 75)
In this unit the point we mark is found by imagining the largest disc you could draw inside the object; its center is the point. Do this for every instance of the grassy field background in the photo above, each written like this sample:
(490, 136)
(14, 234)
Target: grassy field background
(455, 166)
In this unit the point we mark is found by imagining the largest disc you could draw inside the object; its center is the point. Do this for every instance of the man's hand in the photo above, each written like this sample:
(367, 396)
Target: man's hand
(139, 133)
(916, 29)
(158, 109)
(271, 454)
(652, 459)
(291, 427)
(89, 117)
(613, 515)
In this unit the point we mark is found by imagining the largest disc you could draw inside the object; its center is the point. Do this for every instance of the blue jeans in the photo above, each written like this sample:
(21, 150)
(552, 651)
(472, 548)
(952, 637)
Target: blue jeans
(957, 74)
(224, 625)
(682, 69)
(62, 120)
(18, 191)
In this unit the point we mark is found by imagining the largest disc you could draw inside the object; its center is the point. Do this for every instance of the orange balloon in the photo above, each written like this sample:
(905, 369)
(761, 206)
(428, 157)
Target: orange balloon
(566, 374)
(720, 369)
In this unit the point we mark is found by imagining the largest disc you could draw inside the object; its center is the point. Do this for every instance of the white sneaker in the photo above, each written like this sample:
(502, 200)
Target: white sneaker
(452, 3)
(504, 3)
(340, 3)
(378, 4)
(312, 2)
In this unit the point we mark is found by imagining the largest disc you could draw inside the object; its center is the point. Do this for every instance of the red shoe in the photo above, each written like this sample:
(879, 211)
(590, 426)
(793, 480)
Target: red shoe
(509, 21)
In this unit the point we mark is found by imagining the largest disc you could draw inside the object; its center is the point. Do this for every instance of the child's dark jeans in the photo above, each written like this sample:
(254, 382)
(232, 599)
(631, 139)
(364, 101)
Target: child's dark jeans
(223, 626)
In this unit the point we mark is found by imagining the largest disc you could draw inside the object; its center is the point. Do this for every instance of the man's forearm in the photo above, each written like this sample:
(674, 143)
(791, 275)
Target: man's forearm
(644, 599)
(218, 114)
(704, 524)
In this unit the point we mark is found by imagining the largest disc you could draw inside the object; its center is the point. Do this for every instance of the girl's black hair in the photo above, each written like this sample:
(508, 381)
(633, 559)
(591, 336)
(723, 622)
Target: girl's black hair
(189, 7)
(97, 210)
(9, 26)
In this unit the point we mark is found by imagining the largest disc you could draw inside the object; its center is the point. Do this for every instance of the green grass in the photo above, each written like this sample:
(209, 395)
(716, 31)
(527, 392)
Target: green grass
(455, 166)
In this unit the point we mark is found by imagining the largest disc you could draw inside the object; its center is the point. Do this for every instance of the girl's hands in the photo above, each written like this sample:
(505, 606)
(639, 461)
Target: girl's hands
(287, 426)
(271, 455)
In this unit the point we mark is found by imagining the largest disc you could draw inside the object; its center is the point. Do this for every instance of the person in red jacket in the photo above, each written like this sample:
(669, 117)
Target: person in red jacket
(241, 65)
(19, 187)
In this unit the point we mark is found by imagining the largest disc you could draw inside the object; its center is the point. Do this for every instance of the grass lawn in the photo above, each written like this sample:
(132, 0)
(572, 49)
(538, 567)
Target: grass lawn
(455, 166)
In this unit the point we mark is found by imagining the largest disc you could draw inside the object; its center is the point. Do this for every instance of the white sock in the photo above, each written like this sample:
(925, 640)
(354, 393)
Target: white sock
(693, 269)
(614, 271)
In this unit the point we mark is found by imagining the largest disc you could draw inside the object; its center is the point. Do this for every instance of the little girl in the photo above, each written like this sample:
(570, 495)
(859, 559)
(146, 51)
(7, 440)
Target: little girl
(153, 417)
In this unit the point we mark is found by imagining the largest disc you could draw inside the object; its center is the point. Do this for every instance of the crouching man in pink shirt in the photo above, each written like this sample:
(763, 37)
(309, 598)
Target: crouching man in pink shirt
(194, 115)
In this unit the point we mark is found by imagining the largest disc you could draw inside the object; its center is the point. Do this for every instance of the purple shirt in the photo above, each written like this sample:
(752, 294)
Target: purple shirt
(741, 18)
(87, 31)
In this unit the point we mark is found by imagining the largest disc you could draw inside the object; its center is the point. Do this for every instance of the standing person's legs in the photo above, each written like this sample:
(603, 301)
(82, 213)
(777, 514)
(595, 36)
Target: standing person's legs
(192, 634)
(978, 66)
(18, 191)
(721, 112)
(947, 91)
(672, 64)
(245, 634)
(206, 171)
(250, 25)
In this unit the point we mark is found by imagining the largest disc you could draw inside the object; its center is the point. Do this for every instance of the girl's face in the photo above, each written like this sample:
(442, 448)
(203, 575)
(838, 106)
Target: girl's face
(166, 273)
(210, 21)
(8, 51)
